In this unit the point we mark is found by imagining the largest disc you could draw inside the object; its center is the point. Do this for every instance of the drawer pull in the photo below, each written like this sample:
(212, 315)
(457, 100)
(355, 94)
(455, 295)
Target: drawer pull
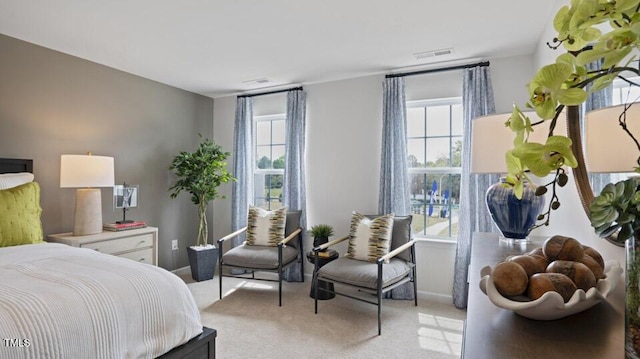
(141, 260)
(141, 242)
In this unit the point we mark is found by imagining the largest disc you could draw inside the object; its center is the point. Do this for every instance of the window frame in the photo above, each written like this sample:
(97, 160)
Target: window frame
(619, 84)
(448, 101)
(266, 171)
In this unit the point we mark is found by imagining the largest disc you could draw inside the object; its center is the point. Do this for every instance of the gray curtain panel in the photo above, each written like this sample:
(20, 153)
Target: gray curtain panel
(294, 190)
(477, 100)
(394, 176)
(243, 162)
(394, 194)
(599, 99)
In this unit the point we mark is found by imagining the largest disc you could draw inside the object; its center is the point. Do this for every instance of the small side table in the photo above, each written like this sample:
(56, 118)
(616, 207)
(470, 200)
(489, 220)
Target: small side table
(322, 260)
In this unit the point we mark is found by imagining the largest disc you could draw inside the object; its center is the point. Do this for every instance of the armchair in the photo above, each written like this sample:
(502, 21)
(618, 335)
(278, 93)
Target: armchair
(388, 272)
(258, 258)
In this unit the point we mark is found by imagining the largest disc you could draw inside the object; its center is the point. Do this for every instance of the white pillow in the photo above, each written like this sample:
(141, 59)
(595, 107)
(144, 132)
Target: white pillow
(369, 239)
(10, 180)
(265, 228)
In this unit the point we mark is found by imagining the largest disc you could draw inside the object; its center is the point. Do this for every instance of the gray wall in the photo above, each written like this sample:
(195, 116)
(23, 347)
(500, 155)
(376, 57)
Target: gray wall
(52, 104)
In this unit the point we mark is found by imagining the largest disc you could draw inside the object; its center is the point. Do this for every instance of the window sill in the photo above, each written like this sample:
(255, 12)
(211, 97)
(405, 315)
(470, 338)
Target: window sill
(442, 241)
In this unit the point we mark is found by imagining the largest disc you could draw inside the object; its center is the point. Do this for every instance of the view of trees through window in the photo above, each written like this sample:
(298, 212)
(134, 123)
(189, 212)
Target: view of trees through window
(434, 141)
(269, 170)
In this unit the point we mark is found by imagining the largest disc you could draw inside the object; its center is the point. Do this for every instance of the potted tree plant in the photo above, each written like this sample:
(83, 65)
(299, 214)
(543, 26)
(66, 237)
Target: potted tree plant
(321, 234)
(200, 173)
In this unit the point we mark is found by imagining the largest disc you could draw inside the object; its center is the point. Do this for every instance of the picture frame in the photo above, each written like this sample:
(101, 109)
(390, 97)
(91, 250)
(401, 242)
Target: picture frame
(125, 196)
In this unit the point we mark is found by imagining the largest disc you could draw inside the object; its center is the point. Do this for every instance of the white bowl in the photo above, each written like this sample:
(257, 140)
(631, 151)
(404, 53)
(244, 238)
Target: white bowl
(551, 305)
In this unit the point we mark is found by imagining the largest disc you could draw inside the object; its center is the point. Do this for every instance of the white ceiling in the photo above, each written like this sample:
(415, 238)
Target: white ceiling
(211, 46)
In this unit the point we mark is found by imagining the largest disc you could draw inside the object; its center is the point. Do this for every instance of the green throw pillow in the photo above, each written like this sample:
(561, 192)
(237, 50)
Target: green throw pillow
(369, 239)
(20, 215)
(265, 228)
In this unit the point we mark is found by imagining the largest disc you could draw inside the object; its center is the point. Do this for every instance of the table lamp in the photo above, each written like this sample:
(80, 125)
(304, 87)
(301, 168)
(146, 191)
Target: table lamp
(608, 148)
(85, 172)
(490, 140)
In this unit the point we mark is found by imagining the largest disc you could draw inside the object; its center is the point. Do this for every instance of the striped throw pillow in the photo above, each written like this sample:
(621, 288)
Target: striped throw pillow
(369, 239)
(265, 228)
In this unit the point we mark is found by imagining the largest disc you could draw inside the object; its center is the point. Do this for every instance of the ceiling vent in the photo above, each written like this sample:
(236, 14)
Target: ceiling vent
(255, 82)
(433, 53)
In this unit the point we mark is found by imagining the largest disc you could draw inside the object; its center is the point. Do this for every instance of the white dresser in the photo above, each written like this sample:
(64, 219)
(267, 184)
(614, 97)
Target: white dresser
(136, 244)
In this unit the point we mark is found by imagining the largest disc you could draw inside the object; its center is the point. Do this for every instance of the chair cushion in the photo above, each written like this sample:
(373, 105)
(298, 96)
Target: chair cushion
(259, 257)
(369, 239)
(292, 223)
(364, 274)
(401, 233)
(265, 228)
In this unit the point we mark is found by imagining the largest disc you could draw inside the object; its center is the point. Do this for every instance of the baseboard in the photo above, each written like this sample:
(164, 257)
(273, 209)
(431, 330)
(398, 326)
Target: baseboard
(435, 297)
(430, 296)
(182, 271)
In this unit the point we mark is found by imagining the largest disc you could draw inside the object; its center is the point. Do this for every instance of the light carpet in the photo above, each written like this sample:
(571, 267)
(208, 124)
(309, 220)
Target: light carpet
(251, 325)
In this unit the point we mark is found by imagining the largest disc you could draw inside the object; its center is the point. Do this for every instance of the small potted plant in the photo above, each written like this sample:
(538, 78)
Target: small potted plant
(200, 173)
(321, 234)
(617, 210)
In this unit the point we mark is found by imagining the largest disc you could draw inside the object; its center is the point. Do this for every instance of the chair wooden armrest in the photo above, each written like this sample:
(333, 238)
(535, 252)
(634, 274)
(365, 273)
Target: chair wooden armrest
(330, 243)
(231, 235)
(290, 237)
(387, 257)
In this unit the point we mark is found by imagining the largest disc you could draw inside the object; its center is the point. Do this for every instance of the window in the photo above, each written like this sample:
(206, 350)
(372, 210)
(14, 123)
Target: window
(434, 143)
(269, 142)
(623, 92)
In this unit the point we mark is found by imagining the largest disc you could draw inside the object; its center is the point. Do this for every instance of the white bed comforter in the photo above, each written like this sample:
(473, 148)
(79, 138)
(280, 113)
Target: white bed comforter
(58, 301)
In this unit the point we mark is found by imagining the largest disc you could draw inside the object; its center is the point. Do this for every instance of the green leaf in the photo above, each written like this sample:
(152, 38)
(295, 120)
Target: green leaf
(603, 82)
(589, 56)
(513, 163)
(572, 96)
(561, 20)
(624, 5)
(566, 58)
(613, 57)
(518, 189)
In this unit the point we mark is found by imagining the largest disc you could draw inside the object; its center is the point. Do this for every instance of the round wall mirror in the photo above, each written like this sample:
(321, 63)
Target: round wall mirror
(580, 174)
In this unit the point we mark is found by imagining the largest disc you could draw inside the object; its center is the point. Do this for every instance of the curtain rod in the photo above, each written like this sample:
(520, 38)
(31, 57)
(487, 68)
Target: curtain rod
(271, 92)
(459, 67)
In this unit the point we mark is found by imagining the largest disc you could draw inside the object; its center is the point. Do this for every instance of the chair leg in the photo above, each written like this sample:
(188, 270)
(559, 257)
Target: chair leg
(220, 265)
(280, 289)
(280, 275)
(379, 298)
(415, 278)
(379, 312)
(314, 281)
(220, 280)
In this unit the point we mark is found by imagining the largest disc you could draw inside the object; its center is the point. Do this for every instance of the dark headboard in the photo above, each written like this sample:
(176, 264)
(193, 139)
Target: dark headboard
(12, 165)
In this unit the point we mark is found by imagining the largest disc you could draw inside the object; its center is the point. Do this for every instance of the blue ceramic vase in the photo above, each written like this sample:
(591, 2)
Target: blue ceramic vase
(514, 217)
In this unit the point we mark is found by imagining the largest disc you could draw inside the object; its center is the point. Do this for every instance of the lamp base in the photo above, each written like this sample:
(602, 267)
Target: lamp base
(88, 212)
(514, 217)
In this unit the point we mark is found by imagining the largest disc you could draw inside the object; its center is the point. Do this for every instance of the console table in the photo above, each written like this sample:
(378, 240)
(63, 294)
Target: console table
(492, 333)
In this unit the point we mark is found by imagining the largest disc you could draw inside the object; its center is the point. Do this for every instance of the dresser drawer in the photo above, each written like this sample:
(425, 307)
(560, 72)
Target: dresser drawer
(142, 256)
(120, 245)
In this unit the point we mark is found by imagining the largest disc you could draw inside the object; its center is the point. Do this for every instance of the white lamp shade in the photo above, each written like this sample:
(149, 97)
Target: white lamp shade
(491, 139)
(86, 171)
(608, 148)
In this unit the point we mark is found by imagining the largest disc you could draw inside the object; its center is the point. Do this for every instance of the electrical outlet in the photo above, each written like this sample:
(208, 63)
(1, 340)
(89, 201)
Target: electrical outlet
(174, 245)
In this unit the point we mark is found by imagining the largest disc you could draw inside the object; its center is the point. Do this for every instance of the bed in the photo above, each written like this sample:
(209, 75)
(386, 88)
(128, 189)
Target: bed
(58, 301)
